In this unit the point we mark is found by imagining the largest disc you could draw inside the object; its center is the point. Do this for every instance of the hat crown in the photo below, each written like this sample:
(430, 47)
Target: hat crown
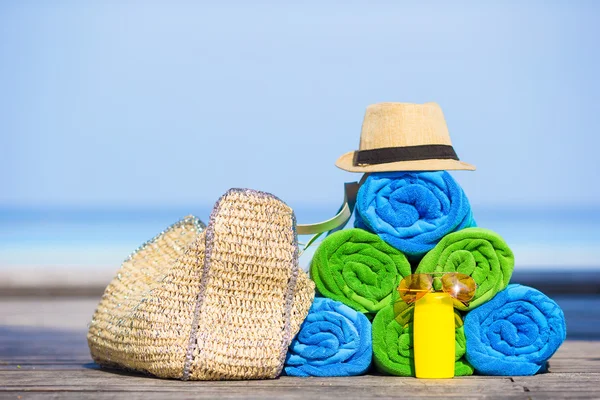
(402, 125)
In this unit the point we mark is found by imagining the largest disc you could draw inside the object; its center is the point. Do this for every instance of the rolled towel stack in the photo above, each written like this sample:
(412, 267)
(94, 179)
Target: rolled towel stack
(515, 333)
(334, 340)
(424, 218)
(412, 211)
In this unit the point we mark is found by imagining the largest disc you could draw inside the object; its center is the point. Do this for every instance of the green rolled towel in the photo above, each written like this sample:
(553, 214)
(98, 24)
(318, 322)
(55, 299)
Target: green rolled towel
(477, 252)
(359, 269)
(393, 342)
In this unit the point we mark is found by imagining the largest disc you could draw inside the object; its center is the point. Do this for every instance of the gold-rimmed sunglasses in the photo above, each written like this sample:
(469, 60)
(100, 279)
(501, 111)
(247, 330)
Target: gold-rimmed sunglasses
(459, 286)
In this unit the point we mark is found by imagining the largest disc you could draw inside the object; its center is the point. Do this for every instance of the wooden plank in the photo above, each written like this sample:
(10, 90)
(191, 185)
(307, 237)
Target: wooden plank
(370, 385)
(93, 383)
(271, 393)
(582, 365)
(578, 349)
(63, 314)
(50, 365)
(571, 385)
(44, 353)
(65, 351)
(577, 356)
(99, 380)
(28, 346)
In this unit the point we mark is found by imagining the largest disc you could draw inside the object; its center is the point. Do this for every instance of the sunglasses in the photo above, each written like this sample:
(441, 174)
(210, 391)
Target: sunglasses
(459, 286)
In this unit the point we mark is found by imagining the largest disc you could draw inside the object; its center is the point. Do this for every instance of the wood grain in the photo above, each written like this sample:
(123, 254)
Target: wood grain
(44, 354)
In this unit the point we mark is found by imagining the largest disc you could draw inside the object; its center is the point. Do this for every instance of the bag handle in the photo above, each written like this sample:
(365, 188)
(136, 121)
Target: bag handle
(337, 222)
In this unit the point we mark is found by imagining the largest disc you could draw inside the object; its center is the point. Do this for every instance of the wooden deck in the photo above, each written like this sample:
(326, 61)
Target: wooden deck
(43, 354)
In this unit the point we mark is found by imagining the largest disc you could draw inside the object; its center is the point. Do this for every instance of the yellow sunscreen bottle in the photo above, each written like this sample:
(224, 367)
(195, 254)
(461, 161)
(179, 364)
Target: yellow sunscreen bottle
(434, 341)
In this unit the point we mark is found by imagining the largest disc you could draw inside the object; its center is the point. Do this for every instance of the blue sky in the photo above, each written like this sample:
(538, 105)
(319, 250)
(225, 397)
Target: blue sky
(160, 104)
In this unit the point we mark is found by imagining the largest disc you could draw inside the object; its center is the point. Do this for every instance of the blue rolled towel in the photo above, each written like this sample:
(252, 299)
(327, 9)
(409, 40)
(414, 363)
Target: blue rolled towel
(334, 340)
(412, 211)
(515, 333)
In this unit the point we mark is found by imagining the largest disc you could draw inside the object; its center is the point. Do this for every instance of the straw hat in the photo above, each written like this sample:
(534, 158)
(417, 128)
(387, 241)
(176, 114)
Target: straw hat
(403, 137)
(220, 303)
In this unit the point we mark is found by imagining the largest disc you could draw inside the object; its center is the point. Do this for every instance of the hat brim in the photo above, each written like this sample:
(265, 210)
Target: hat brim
(345, 162)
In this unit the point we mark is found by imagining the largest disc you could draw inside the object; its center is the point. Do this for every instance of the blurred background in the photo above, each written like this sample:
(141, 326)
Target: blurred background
(119, 118)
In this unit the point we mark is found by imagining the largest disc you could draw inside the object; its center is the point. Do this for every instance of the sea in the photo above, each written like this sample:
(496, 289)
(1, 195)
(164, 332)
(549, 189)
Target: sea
(38, 245)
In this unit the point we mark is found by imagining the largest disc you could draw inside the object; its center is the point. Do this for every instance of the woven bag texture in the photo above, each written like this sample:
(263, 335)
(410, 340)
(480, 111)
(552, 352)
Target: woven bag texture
(220, 303)
(144, 318)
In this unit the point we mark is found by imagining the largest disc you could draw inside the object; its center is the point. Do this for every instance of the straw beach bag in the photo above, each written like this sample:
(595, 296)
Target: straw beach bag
(221, 302)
